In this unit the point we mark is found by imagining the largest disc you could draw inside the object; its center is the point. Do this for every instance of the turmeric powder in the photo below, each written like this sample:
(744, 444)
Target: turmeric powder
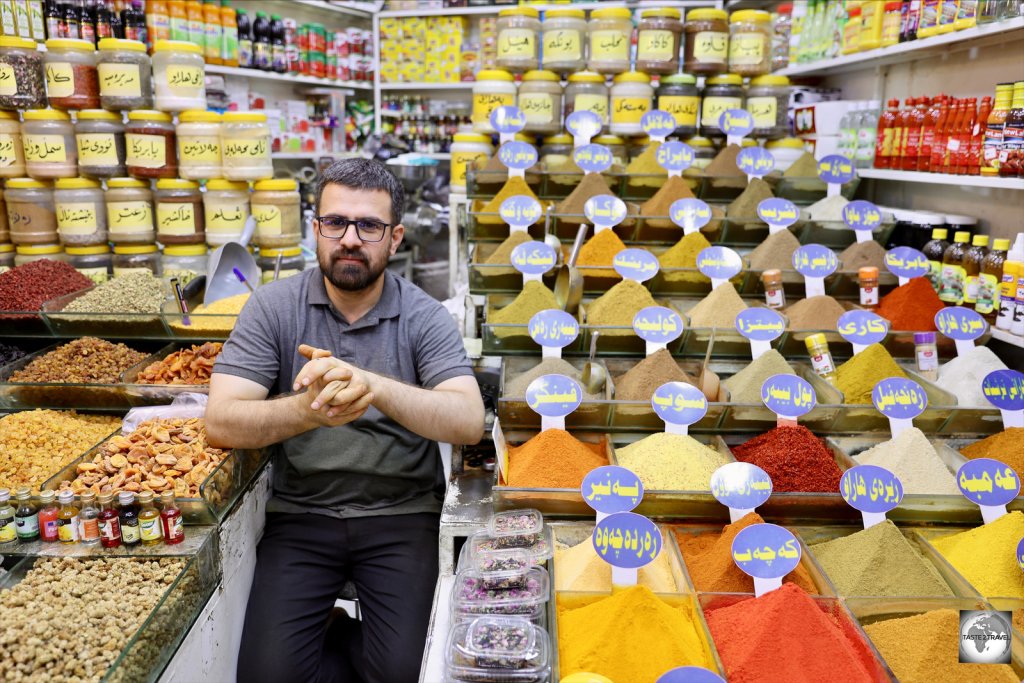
(512, 187)
(600, 250)
(645, 171)
(684, 255)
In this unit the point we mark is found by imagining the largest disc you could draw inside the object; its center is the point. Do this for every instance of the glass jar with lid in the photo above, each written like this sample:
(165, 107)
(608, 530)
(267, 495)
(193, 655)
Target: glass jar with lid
(556, 150)
(48, 139)
(27, 253)
(610, 33)
(518, 32)
(750, 42)
(246, 146)
(564, 33)
(179, 75)
(587, 91)
(225, 209)
(679, 95)
(467, 149)
(94, 262)
(493, 88)
(199, 145)
(71, 78)
(706, 48)
(179, 212)
(720, 94)
(786, 151)
(22, 67)
(6, 257)
(276, 206)
(632, 96)
(30, 215)
(81, 211)
(540, 99)
(5, 230)
(185, 261)
(132, 258)
(12, 150)
(616, 145)
(125, 75)
(703, 152)
(130, 211)
(658, 39)
(768, 104)
(151, 146)
(291, 259)
(99, 138)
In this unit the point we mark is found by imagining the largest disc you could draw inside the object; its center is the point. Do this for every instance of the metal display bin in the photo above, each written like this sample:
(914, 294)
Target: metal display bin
(117, 325)
(57, 394)
(157, 394)
(515, 412)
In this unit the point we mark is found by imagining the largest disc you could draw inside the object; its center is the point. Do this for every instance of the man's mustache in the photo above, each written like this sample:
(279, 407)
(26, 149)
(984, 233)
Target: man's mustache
(351, 254)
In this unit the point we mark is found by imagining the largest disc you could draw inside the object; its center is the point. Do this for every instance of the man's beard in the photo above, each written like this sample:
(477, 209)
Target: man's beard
(350, 277)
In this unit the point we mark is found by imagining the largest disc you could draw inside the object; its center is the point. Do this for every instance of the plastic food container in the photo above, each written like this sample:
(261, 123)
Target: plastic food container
(27, 253)
(750, 42)
(632, 97)
(30, 215)
(292, 263)
(498, 649)
(199, 145)
(493, 88)
(720, 93)
(659, 34)
(611, 32)
(94, 262)
(768, 104)
(276, 206)
(71, 77)
(515, 528)
(471, 599)
(125, 75)
(225, 209)
(467, 149)
(6, 257)
(179, 75)
(564, 35)
(556, 150)
(518, 29)
(48, 139)
(587, 91)
(180, 217)
(12, 150)
(22, 67)
(679, 95)
(540, 551)
(99, 138)
(246, 146)
(540, 99)
(151, 148)
(706, 48)
(81, 211)
(185, 261)
(130, 258)
(506, 568)
(130, 211)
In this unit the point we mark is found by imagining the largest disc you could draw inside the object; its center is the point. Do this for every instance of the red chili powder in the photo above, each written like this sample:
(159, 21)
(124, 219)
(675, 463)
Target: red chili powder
(794, 458)
(911, 306)
(786, 637)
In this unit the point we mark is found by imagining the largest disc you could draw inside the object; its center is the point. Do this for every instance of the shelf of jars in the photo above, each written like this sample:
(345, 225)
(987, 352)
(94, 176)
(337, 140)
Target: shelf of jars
(257, 74)
(942, 179)
(493, 8)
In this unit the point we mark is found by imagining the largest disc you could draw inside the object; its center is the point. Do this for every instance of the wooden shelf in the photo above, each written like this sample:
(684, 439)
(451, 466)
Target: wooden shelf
(941, 179)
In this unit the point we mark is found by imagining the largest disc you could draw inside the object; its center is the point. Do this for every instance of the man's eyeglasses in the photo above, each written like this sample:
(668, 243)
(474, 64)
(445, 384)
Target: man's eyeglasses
(335, 227)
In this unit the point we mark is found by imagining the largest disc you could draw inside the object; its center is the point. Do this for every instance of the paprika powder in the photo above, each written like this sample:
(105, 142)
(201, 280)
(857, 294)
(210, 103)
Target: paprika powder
(795, 459)
(911, 307)
(554, 459)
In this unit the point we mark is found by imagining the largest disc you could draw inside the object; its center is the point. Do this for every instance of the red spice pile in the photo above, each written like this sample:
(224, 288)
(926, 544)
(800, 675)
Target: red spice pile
(26, 287)
(911, 307)
(794, 458)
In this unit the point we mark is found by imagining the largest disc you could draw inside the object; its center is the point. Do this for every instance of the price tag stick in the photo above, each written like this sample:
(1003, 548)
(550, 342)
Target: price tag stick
(1012, 418)
(762, 586)
(863, 236)
(872, 518)
(550, 352)
(624, 577)
(898, 425)
(758, 348)
(814, 286)
(990, 513)
(963, 346)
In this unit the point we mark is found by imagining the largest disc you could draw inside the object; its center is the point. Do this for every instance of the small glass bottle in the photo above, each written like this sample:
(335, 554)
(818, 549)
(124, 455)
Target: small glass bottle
(927, 355)
(868, 279)
(26, 517)
(149, 519)
(171, 522)
(8, 533)
(821, 358)
(110, 526)
(129, 518)
(89, 523)
(774, 296)
(67, 518)
(48, 512)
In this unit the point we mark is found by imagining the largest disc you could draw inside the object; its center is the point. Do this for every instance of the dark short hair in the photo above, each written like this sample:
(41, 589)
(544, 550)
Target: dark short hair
(364, 174)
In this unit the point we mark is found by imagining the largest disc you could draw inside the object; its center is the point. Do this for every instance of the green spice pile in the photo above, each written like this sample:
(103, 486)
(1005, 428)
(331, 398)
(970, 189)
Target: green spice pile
(641, 381)
(806, 166)
(618, 306)
(717, 309)
(857, 377)
(136, 292)
(745, 385)
(671, 462)
(534, 298)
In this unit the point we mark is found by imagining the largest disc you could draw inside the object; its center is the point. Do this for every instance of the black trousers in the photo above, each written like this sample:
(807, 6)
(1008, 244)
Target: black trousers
(302, 563)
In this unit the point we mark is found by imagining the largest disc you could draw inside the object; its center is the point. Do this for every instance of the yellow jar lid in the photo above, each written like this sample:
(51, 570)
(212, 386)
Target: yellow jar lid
(176, 184)
(670, 12)
(519, 12)
(88, 251)
(76, 183)
(632, 77)
(26, 183)
(785, 143)
(586, 77)
(247, 116)
(608, 140)
(185, 250)
(769, 80)
(46, 115)
(752, 15)
(679, 79)
(198, 115)
(526, 137)
(122, 44)
(611, 13)
(276, 185)
(961, 236)
(540, 75)
(980, 241)
(6, 248)
(563, 13)
(586, 677)
(221, 184)
(126, 182)
(726, 79)
(37, 249)
(707, 14)
(98, 115)
(813, 340)
(176, 46)
(493, 75)
(69, 44)
(472, 137)
(282, 251)
(135, 249)
(1001, 245)
(14, 41)
(9, 115)
(148, 115)
(560, 139)
(698, 141)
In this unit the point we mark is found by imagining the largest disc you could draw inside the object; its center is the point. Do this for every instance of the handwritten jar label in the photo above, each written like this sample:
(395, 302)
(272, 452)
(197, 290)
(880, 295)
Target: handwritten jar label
(8, 150)
(710, 47)
(176, 219)
(146, 151)
(268, 218)
(764, 110)
(129, 217)
(185, 80)
(746, 48)
(461, 161)
(655, 45)
(485, 103)
(609, 46)
(226, 217)
(683, 108)
(629, 109)
(595, 103)
(96, 149)
(195, 148)
(246, 148)
(120, 80)
(77, 218)
(562, 45)
(48, 148)
(538, 108)
(8, 81)
(714, 107)
(60, 79)
(516, 43)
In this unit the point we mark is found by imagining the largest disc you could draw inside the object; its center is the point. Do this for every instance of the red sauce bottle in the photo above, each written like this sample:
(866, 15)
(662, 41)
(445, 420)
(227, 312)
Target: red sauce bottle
(915, 126)
(48, 511)
(110, 525)
(931, 119)
(964, 136)
(899, 141)
(886, 134)
(172, 525)
(978, 137)
(939, 144)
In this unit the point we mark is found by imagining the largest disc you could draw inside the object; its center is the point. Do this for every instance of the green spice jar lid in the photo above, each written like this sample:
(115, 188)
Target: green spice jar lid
(679, 79)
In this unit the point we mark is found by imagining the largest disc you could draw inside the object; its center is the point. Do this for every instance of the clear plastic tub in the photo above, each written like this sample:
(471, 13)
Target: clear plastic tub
(564, 35)
(31, 218)
(99, 138)
(246, 146)
(137, 257)
(94, 262)
(471, 598)
(81, 211)
(199, 145)
(151, 146)
(20, 59)
(506, 568)
(125, 75)
(611, 32)
(71, 78)
(515, 528)
(12, 152)
(179, 75)
(225, 209)
(49, 142)
(518, 30)
(498, 649)
(130, 211)
(276, 205)
(540, 551)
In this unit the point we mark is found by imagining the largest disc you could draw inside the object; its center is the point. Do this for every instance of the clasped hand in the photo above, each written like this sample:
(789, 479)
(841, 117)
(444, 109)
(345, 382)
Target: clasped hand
(338, 393)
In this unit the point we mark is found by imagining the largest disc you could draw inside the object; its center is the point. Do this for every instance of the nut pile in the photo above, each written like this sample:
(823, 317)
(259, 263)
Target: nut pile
(26, 287)
(138, 292)
(36, 444)
(83, 361)
(69, 618)
(160, 455)
(188, 366)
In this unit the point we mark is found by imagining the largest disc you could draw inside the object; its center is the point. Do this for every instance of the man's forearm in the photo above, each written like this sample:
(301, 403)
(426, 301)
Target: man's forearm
(235, 423)
(434, 414)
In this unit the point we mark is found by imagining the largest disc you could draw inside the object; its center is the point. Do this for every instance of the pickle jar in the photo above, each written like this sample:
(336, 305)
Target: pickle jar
(130, 211)
(225, 210)
(12, 150)
(179, 75)
(71, 77)
(151, 146)
(556, 150)
(540, 99)
(659, 34)
(277, 208)
(518, 33)
(586, 91)
(632, 96)
(125, 75)
(185, 262)
(27, 253)
(94, 262)
(678, 95)
(750, 42)
(6, 257)
(246, 146)
(199, 145)
(564, 35)
(21, 66)
(31, 218)
(81, 211)
(706, 42)
(467, 149)
(721, 93)
(768, 104)
(132, 258)
(291, 259)
(99, 138)
(180, 218)
(48, 139)
(610, 35)
(493, 88)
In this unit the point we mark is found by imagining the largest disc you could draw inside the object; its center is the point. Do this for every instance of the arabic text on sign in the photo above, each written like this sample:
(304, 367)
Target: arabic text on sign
(199, 149)
(176, 219)
(268, 219)
(129, 216)
(60, 79)
(76, 218)
(1004, 389)
(871, 489)
(185, 79)
(862, 215)
(960, 323)
(835, 169)
(553, 328)
(226, 217)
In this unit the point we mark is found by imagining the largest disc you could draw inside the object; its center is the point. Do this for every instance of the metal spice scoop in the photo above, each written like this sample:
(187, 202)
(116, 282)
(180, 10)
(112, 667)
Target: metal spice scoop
(709, 383)
(594, 375)
(569, 281)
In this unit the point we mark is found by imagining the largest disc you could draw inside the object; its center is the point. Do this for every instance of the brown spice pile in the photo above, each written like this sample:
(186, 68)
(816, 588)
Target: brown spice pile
(641, 381)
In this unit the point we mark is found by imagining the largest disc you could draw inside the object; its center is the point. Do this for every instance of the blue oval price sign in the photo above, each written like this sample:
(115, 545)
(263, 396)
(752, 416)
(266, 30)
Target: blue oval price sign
(869, 488)
(679, 403)
(719, 263)
(766, 551)
(593, 158)
(960, 323)
(636, 264)
(604, 210)
(554, 328)
(899, 399)
(1004, 389)
(741, 485)
(690, 674)
(862, 327)
(675, 156)
(610, 489)
(554, 395)
(988, 482)
(658, 325)
(508, 120)
(520, 211)
(760, 324)
(1020, 553)
(736, 123)
(777, 211)
(790, 396)
(756, 161)
(533, 258)
(690, 214)
(835, 169)
(658, 124)
(518, 155)
(815, 260)
(627, 540)
(906, 262)
(583, 124)
(862, 215)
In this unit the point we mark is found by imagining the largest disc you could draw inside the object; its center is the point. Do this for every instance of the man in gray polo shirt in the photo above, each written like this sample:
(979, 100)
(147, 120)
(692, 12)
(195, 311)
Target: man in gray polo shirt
(353, 374)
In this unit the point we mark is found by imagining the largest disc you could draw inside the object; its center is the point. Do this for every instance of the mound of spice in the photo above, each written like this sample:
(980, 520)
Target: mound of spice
(674, 189)
(618, 306)
(134, 292)
(820, 642)
(599, 253)
(724, 164)
(570, 209)
(709, 561)
(192, 365)
(216, 318)
(987, 556)
(512, 187)
(923, 649)
(879, 561)
(816, 313)
(805, 166)
(963, 376)
(776, 251)
(857, 377)
(644, 170)
(911, 307)
(912, 458)
(534, 298)
(83, 361)
(829, 210)
(745, 385)
(794, 458)
(641, 381)
(671, 462)
(862, 255)
(554, 459)
(579, 568)
(744, 207)
(717, 309)
(27, 287)
(683, 254)
(1007, 447)
(503, 254)
(493, 172)
(516, 388)
(631, 635)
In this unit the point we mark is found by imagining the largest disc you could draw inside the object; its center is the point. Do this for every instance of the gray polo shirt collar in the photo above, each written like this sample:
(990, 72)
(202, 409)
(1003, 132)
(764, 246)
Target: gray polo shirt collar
(388, 306)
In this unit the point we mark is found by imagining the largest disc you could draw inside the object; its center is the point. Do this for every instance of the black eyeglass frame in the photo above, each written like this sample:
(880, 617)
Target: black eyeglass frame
(353, 222)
